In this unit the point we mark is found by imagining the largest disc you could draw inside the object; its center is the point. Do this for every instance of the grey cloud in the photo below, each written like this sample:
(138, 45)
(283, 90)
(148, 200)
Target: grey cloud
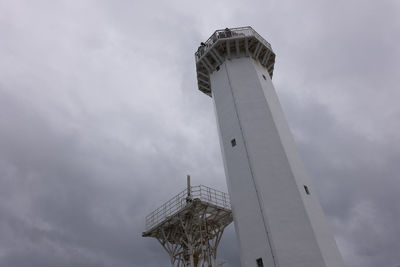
(100, 121)
(357, 183)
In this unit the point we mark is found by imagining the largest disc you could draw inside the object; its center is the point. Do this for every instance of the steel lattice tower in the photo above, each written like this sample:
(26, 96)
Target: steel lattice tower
(190, 225)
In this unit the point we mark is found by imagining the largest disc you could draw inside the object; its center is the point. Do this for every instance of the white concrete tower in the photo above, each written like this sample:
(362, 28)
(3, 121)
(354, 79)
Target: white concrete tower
(278, 219)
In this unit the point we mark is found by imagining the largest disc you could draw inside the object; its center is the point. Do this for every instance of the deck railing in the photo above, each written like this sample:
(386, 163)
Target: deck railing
(229, 33)
(175, 204)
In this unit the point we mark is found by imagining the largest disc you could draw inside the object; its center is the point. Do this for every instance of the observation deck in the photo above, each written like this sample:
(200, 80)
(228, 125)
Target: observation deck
(178, 203)
(228, 44)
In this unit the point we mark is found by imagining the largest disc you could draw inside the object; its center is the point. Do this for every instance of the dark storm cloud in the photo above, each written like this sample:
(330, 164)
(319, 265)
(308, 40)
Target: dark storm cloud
(54, 202)
(357, 181)
(100, 121)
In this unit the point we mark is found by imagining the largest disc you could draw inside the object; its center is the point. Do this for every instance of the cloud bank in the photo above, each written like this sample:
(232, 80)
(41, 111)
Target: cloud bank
(100, 121)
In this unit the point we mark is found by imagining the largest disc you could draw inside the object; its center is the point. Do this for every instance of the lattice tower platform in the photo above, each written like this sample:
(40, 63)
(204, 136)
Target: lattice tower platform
(190, 225)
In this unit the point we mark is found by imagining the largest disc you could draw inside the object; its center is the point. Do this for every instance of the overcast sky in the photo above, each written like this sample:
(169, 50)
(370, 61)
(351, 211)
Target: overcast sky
(101, 120)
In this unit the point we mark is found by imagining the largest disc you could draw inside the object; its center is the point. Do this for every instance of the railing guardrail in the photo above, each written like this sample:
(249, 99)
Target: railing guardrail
(228, 33)
(175, 204)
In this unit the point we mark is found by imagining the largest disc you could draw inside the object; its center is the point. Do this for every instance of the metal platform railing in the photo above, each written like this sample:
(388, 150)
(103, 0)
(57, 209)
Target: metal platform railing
(175, 204)
(229, 33)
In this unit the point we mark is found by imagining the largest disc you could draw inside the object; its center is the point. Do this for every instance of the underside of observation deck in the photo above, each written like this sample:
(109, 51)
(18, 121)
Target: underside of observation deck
(228, 44)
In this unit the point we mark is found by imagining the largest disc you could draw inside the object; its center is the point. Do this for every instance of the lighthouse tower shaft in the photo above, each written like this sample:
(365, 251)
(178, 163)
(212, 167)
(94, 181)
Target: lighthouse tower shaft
(278, 219)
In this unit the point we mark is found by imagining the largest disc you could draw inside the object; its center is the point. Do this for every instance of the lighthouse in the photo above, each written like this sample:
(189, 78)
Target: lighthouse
(278, 219)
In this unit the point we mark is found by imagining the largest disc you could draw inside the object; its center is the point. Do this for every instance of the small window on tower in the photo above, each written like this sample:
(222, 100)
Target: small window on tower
(217, 68)
(307, 190)
(265, 78)
(233, 142)
(259, 262)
